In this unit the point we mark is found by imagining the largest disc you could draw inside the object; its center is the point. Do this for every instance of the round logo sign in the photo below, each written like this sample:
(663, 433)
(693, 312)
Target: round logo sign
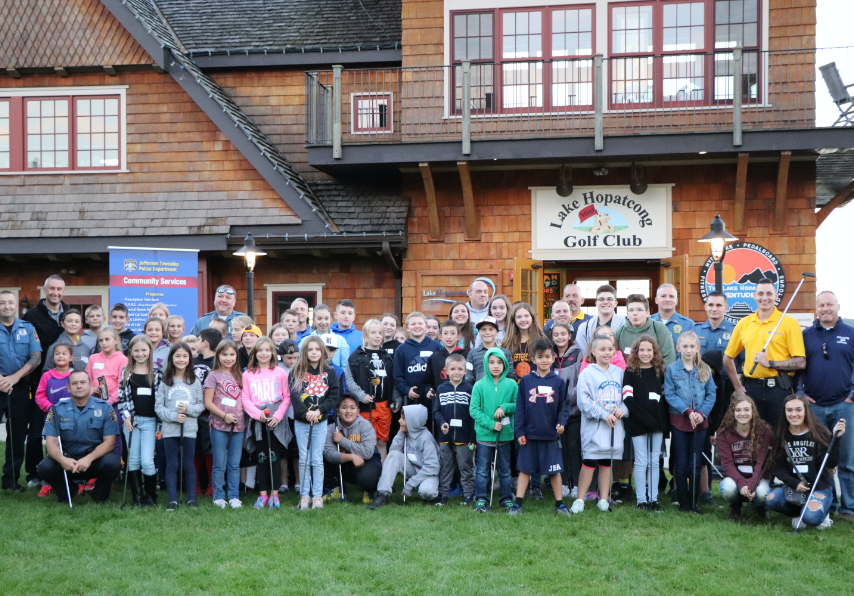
(744, 264)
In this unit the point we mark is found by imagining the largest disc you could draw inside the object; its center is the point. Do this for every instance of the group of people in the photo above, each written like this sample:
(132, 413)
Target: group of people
(586, 401)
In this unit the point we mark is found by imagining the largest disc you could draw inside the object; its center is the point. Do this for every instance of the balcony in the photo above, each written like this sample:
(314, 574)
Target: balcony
(591, 98)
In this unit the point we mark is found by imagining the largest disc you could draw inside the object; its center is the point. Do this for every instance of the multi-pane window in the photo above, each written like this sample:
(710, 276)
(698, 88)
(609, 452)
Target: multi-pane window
(4, 135)
(683, 30)
(522, 38)
(47, 133)
(372, 112)
(572, 35)
(474, 40)
(632, 79)
(736, 25)
(97, 133)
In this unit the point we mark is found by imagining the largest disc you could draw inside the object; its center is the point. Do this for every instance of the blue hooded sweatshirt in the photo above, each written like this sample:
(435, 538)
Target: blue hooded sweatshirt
(410, 365)
(541, 406)
(352, 335)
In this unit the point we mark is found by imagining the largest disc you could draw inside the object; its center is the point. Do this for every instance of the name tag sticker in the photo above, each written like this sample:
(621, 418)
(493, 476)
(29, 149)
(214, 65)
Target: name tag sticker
(745, 469)
(654, 396)
(543, 389)
(426, 353)
(412, 457)
(505, 421)
(98, 366)
(627, 350)
(802, 469)
(227, 401)
(143, 391)
(389, 350)
(380, 373)
(178, 404)
(469, 366)
(456, 422)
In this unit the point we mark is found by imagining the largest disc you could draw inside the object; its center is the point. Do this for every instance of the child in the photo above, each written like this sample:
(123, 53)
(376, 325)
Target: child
(192, 341)
(352, 445)
(498, 309)
(410, 359)
(600, 388)
(400, 336)
(449, 338)
(175, 329)
(108, 363)
(220, 325)
(369, 380)
(540, 420)
(643, 386)
(434, 327)
(71, 323)
(265, 387)
(153, 330)
(459, 314)
(160, 311)
(492, 408)
(53, 386)
(414, 454)
(139, 383)
(330, 342)
(247, 339)
(345, 317)
(316, 384)
(617, 360)
(203, 361)
(638, 322)
(178, 403)
(690, 394)
(278, 333)
(487, 331)
(290, 321)
(238, 324)
(743, 441)
(118, 319)
(390, 323)
(566, 365)
(454, 430)
(223, 387)
(322, 322)
(94, 316)
(288, 352)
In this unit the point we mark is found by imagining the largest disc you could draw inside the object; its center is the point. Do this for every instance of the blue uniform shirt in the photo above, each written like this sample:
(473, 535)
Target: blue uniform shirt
(716, 339)
(828, 379)
(16, 347)
(205, 321)
(677, 325)
(81, 431)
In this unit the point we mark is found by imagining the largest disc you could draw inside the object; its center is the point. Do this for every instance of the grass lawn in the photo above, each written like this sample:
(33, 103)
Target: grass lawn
(420, 550)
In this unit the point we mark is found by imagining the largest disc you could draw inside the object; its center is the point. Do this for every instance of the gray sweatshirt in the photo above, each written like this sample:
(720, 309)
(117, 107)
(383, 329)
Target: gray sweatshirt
(359, 439)
(599, 392)
(166, 406)
(474, 365)
(588, 326)
(421, 448)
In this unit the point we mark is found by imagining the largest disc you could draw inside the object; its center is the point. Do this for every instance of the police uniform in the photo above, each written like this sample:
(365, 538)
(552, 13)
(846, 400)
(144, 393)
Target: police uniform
(767, 386)
(15, 349)
(677, 325)
(81, 432)
(712, 339)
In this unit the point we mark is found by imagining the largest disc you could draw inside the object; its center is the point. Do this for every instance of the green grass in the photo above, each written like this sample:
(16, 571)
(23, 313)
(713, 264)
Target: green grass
(419, 550)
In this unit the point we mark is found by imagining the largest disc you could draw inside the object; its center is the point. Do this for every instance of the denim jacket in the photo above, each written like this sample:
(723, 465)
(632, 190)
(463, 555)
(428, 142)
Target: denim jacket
(684, 390)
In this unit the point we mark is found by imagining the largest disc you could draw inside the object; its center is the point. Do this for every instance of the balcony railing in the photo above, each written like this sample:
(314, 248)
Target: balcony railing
(591, 96)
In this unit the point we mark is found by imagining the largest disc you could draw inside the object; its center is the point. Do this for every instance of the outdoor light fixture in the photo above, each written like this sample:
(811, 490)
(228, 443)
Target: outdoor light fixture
(718, 238)
(250, 252)
(564, 182)
(600, 172)
(638, 186)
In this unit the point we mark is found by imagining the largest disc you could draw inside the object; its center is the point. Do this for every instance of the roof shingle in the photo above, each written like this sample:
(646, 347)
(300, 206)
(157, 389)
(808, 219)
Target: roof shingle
(363, 209)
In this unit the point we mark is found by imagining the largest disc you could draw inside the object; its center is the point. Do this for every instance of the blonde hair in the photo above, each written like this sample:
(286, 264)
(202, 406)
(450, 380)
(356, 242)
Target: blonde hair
(703, 370)
(366, 328)
(139, 339)
(161, 306)
(187, 339)
(415, 315)
(176, 318)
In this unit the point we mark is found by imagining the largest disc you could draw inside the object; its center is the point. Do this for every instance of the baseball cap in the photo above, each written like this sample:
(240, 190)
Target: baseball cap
(252, 329)
(288, 346)
(487, 321)
(329, 340)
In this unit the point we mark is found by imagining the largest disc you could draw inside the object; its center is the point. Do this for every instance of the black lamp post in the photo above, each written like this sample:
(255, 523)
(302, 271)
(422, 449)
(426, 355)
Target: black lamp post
(250, 252)
(718, 238)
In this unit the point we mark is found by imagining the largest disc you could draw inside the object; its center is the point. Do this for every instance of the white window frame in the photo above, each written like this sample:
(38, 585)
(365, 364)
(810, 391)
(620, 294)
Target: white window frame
(354, 97)
(317, 288)
(73, 92)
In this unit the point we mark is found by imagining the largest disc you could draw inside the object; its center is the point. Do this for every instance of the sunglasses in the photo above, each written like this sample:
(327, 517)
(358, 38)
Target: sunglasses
(226, 290)
(824, 352)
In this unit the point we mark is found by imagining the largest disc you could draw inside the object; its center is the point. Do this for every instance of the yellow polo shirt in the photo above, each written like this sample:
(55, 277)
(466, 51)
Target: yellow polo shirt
(751, 334)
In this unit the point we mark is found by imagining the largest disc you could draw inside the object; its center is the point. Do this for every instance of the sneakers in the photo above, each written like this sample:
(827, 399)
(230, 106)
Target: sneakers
(366, 498)
(565, 492)
(273, 502)
(654, 507)
(441, 501)
(90, 484)
(480, 507)
(825, 524)
(688, 509)
(516, 510)
(283, 488)
(706, 498)
(508, 504)
(466, 502)
(735, 512)
(45, 491)
(235, 503)
(261, 503)
(221, 503)
(457, 491)
(574, 492)
(317, 503)
(192, 505)
(380, 500)
(535, 493)
(304, 504)
(172, 506)
(577, 506)
(34, 483)
(642, 506)
(15, 488)
(562, 510)
(603, 505)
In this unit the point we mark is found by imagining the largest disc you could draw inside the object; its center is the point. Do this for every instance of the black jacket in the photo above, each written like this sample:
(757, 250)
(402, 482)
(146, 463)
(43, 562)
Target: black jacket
(320, 390)
(453, 404)
(47, 329)
(366, 371)
(646, 415)
(436, 374)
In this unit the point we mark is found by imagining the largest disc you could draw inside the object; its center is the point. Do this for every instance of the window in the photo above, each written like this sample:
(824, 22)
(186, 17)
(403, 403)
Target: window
(47, 133)
(97, 133)
(683, 31)
(4, 135)
(474, 41)
(737, 24)
(372, 112)
(632, 79)
(572, 35)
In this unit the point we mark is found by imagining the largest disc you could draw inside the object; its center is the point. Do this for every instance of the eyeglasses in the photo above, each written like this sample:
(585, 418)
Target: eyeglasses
(603, 299)
(226, 290)
(824, 352)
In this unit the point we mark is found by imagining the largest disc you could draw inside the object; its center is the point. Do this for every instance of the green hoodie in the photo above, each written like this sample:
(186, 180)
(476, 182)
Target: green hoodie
(627, 335)
(487, 396)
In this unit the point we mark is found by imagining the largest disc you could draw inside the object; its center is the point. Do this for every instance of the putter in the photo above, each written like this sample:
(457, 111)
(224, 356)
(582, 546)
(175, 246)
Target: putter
(342, 498)
(222, 480)
(611, 469)
(694, 453)
(761, 469)
(649, 468)
(405, 459)
(269, 450)
(804, 275)
(65, 473)
(307, 463)
(713, 466)
(181, 462)
(814, 484)
(127, 464)
(494, 469)
(11, 441)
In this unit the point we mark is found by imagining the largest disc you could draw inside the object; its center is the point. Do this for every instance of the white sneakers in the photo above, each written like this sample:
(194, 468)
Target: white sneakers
(577, 506)
(822, 526)
(304, 504)
(603, 505)
(317, 503)
(565, 491)
(221, 503)
(235, 503)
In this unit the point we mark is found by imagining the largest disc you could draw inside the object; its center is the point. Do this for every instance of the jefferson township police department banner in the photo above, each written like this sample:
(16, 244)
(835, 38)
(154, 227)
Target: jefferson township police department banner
(142, 277)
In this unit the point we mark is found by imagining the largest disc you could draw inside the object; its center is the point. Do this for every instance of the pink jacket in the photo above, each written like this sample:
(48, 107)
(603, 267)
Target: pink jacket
(53, 386)
(111, 368)
(617, 361)
(267, 386)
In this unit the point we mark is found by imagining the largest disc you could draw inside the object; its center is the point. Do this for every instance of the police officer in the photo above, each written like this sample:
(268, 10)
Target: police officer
(20, 354)
(771, 382)
(666, 298)
(224, 300)
(88, 427)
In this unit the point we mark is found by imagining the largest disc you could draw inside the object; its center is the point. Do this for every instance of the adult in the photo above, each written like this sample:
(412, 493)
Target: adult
(478, 303)
(606, 306)
(20, 354)
(667, 298)
(345, 317)
(770, 383)
(572, 298)
(715, 332)
(87, 427)
(827, 385)
(303, 329)
(225, 298)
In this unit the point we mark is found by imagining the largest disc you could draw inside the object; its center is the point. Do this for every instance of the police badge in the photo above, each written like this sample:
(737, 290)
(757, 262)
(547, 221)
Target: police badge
(50, 413)
(113, 417)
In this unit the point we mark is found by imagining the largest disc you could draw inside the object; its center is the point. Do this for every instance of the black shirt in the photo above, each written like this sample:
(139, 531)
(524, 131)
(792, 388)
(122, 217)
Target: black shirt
(143, 405)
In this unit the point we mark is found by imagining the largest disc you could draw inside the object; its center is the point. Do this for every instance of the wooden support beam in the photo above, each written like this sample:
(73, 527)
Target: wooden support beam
(432, 209)
(472, 220)
(782, 184)
(111, 71)
(841, 197)
(59, 70)
(13, 72)
(158, 69)
(740, 190)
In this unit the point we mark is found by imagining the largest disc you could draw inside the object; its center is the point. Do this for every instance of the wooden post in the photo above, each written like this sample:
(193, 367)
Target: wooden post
(466, 107)
(740, 190)
(432, 209)
(782, 183)
(598, 91)
(736, 97)
(336, 111)
(841, 197)
(472, 220)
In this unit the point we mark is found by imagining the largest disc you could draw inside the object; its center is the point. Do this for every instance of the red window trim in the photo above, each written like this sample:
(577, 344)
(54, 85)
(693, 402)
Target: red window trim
(388, 128)
(26, 149)
(8, 100)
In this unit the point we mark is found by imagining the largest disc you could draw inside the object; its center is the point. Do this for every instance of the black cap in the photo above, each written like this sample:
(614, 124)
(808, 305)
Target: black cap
(288, 346)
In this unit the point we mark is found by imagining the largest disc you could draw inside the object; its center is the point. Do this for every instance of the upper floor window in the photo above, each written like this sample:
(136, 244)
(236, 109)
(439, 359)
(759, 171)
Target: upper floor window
(4, 135)
(473, 38)
(736, 24)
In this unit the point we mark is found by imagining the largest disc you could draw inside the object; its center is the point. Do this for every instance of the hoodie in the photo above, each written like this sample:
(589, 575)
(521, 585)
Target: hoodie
(318, 390)
(567, 368)
(540, 406)
(736, 460)
(488, 395)
(53, 386)
(599, 392)
(166, 406)
(410, 365)
(476, 314)
(359, 439)
(422, 452)
(370, 372)
(643, 394)
(476, 367)
(79, 353)
(436, 373)
(451, 406)
(352, 335)
(627, 335)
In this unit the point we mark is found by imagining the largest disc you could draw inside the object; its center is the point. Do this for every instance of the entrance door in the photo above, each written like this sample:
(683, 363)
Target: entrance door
(528, 284)
(675, 271)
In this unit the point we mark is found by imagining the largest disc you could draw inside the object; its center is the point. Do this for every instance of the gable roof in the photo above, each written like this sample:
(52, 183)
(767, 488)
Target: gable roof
(298, 25)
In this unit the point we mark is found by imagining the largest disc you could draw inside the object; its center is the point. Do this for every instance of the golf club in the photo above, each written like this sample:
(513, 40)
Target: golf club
(64, 472)
(307, 463)
(11, 441)
(649, 468)
(341, 498)
(761, 468)
(804, 275)
(222, 480)
(814, 484)
(713, 466)
(181, 461)
(494, 469)
(694, 468)
(126, 416)
(269, 449)
(405, 460)
(610, 470)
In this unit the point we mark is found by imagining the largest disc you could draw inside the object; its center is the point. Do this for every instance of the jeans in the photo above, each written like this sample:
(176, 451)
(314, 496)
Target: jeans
(223, 441)
(453, 457)
(314, 487)
(687, 447)
(730, 493)
(829, 416)
(816, 508)
(394, 465)
(141, 453)
(172, 448)
(646, 466)
(483, 476)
